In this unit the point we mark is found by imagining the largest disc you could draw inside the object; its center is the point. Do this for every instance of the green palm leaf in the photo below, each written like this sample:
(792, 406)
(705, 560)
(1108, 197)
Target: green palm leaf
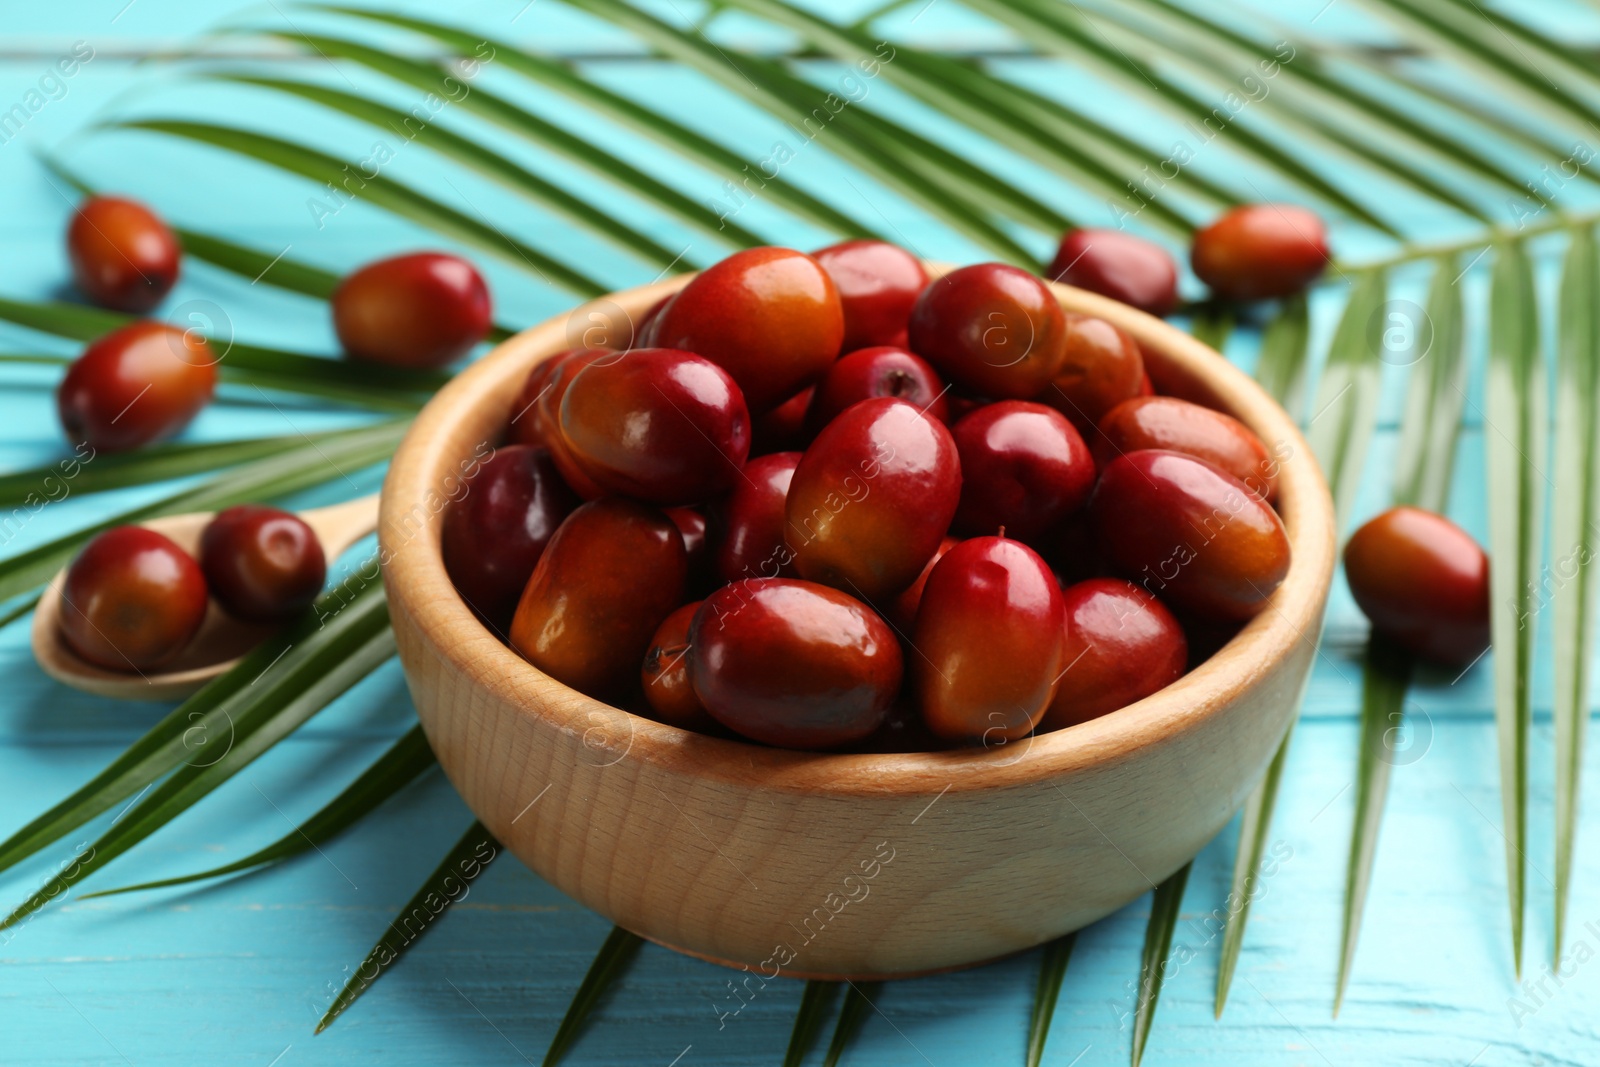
(1281, 367)
(610, 963)
(1346, 406)
(1052, 969)
(1165, 904)
(807, 1019)
(852, 1013)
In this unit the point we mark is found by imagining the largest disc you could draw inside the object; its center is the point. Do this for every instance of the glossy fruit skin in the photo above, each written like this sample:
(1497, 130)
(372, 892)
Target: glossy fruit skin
(990, 640)
(1024, 468)
(770, 317)
(1424, 583)
(784, 428)
(665, 675)
(140, 383)
(422, 310)
(612, 572)
(751, 523)
(872, 372)
(1175, 425)
(1102, 367)
(657, 424)
(991, 329)
(131, 600)
(540, 405)
(695, 530)
(1194, 536)
(793, 664)
(1122, 645)
(872, 497)
(1256, 251)
(878, 283)
(123, 255)
(261, 564)
(493, 535)
(1112, 263)
(902, 610)
(525, 427)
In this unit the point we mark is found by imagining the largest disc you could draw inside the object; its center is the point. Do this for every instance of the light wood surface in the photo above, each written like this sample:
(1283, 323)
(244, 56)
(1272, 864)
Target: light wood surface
(760, 857)
(220, 641)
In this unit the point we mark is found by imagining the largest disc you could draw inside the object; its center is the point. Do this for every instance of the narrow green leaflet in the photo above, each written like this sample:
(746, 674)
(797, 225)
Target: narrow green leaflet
(1575, 516)
(1254, 824)
(1435, 398)
(852, 1013)
(610, 963)
(1514, 391)
(1345, 409)
(449, 882)
(1281, 367)
(392, 771)
(1212, 325)
(808, 1019)
(1052, 969)
(1165, 904)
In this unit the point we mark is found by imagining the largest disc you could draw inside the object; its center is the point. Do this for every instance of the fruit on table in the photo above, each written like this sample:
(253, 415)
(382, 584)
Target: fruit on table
(422, 310)
(902, 613)
(770, 317)
(1121, 646)
(991, 329)
(872, 497)
(1196, 537)
(1102, 368)
(1256, 251)
(139, 383)
(668, 688)
(612, 572)
(261, 564)
(1023, 468)
(1424, 583)
(1119, 265)
(131, 600)
(792, 663)
(123, 256)
(990, 642)
(494, 533)
(1179, 426)
(656, 424)
(751, 526)
(878, 283)
(871, 372)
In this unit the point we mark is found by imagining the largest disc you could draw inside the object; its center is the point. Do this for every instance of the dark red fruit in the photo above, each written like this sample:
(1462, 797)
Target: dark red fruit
(872, 497)
(694, 529)
(874, 372)
(902, 611)
(422, 310)
(1424, 583)
(1023, 468)
(540, 423)
(493, 536)
(1178, 426)
(783, 429)
(1121, 646)
(668, 687)
(878, 283)
(991, 329)
(1102, 368)
(123, 256)
(262, 564)
(770, 317)
(140, 383)
(657, 424)
(751, 521)
(1196, 537)
(1257, 251)
(526, 426)
(131, 600)
(1119, 265)
(793, 664)
(989, 642)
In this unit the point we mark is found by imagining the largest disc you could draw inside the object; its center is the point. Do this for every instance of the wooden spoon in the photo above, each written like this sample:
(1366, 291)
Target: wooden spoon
(220, 642)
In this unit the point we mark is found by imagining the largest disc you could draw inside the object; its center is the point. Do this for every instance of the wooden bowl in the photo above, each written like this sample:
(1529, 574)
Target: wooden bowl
(811, 865)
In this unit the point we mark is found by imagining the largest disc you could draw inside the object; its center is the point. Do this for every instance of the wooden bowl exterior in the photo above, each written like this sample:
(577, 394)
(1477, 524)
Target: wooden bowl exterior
(834, 866)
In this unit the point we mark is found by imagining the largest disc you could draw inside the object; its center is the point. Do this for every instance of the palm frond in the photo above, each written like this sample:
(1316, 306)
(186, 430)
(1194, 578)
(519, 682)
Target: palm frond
(1165, 905)
(610, 963)
(808, 1019)
(852, 1013)
(1052, 969)
(1345, 408)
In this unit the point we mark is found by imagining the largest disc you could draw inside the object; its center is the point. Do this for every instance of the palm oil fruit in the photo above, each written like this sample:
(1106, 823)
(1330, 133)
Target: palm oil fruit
(1121, 646)
(878, 283)
(613, 571)
(1256, 251)
(770, 317)
(793, 664)
(261, 564)
(138, 384)
(695, 530)
(902, 613)
(1187, 532)
(668, 688)
(537, 421)
(420, 311)
(1112, 263)
(123, 256)
(990, 642)
(784, 428)
(493, 534)
(131, 600)
(1424, 583)
(1176, 425)
(992, 329)
(657, 424)
(1102, 368)
(1023, 468)
(872, 497)
(872, 372)
(751, 537)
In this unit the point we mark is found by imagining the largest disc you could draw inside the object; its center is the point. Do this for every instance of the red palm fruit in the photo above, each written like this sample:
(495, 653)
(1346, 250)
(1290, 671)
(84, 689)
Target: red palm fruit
(123, 256)
(137, 384)
(422, 310)
(1119, 265)
(131, 600)
(991, 329)
(1122, 645)
(878, 283)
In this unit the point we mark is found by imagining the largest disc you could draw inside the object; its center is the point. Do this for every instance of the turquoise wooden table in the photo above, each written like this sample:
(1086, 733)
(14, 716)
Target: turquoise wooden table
(238, 971)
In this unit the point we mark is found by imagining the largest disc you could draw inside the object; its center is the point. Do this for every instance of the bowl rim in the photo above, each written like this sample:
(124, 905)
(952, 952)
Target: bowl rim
(414, 574)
